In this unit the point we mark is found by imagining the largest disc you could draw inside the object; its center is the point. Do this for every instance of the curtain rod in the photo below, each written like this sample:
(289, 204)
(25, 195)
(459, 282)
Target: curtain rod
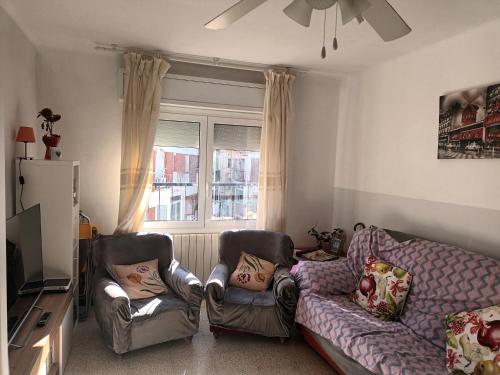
(195, 59)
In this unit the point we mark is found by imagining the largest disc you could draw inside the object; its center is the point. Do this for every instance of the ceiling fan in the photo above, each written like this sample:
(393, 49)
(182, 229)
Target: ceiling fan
(378, 13)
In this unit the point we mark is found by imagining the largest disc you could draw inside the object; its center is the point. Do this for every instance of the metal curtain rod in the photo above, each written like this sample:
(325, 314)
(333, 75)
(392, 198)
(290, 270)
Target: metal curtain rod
(195, 59)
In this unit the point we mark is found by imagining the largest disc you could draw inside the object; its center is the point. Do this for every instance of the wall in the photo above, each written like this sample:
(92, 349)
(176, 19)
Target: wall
(84, 88)
(18, 84)
(387, 172)
(311, 161)
(17, 106)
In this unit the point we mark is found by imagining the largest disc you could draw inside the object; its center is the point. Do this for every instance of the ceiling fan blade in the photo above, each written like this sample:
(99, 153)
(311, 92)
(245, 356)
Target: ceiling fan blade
(351, 9)
(386, 21)
(299, 11)
(233, 14)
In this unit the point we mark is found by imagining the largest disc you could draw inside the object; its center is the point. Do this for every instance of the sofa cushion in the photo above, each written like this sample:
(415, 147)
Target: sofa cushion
(473, 341)
(382, 289)
(383, 347)
(446, 279)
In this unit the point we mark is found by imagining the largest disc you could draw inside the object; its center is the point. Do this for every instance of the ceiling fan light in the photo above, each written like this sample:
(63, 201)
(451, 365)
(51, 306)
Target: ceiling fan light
(351, 9)
(299, 11)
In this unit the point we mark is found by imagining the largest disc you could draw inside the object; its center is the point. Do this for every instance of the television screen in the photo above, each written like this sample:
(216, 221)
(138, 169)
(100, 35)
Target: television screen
(24, 266)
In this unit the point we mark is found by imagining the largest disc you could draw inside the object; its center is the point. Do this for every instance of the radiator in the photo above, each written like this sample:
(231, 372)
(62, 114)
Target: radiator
(197, 252)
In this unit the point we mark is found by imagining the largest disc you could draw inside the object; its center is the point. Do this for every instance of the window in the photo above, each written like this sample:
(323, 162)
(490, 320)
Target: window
(235, 187)
(205, 173)
(175, 165)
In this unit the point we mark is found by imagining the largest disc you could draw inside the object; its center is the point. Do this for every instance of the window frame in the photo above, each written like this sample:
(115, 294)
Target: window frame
(207, 118)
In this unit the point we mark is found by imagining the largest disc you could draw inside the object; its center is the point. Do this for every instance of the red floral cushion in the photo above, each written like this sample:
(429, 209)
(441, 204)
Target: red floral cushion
(473, 342)
(382, 289)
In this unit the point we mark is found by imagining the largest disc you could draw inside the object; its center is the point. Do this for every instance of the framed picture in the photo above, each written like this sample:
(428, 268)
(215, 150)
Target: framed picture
(469, 124)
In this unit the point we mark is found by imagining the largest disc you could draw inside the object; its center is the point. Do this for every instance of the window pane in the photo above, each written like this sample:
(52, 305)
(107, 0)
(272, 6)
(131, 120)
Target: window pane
(235, 172)
(175, 161)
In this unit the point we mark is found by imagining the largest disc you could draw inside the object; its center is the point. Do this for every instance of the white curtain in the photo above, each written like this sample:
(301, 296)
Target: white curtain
(271, 207)
(141, 106)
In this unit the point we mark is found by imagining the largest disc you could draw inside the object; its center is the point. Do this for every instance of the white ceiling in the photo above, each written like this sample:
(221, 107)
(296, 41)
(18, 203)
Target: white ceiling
(264, 36)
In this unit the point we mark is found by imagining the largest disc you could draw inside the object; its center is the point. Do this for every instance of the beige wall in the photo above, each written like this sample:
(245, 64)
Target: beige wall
(311, 162)
(18, 84)
(17, 106)
(84, 88)
(387, 137)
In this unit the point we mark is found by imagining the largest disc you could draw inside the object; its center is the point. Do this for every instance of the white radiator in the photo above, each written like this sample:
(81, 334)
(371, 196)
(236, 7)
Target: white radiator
(197, 252)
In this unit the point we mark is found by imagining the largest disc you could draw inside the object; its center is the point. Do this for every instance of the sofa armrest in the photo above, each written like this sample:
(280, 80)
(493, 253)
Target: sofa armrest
(112, 311)
(184, 284)
(325, 278)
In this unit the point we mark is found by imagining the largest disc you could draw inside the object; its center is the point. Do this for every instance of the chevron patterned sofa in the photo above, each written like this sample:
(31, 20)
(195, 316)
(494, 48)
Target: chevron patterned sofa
(445, 279)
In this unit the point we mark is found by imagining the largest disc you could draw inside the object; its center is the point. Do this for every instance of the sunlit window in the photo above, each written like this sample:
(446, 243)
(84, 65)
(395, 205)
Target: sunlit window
(204, 172)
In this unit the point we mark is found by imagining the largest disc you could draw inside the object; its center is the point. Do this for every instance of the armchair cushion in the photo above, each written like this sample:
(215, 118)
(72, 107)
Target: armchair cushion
(326, 278)
(146, 308)
(252, 273)
(240, 296)
(140, 280)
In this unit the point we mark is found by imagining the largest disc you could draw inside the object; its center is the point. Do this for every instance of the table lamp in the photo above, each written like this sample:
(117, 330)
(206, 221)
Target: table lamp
(27, 135)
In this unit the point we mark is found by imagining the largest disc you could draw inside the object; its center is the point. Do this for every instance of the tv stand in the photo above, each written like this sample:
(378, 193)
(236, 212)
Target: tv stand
(44, 350)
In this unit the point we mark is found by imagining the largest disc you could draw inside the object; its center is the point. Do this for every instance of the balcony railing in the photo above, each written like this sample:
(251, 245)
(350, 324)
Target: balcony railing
(230, 201)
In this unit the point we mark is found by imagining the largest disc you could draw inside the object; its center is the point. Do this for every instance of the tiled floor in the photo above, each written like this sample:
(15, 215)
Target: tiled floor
(230, 354)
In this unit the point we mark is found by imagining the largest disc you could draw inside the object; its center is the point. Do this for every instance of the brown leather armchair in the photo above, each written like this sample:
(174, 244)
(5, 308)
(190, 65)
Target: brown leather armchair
(127, 324)
(269, 313)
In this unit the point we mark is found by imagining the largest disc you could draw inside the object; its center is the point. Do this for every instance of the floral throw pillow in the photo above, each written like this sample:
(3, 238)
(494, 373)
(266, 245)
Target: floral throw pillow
(252, 273)
(382, 289)
(473, 342)
(140, 280)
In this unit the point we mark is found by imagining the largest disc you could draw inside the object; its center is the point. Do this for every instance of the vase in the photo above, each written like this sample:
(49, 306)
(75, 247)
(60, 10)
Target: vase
(50, 141)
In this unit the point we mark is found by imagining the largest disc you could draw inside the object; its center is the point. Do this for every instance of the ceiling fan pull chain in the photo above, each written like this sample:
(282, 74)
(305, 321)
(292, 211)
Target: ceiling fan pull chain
(335, 42)
(323, 50)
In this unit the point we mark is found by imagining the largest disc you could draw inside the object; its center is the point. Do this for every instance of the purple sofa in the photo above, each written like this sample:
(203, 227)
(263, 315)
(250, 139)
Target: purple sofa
(445, 279)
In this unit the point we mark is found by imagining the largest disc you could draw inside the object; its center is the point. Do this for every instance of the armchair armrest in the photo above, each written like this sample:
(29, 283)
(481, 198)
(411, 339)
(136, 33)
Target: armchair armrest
(325, 278)
(184, 284)
(112, 310)
(284, 285)
(215, 286)
(285, 293)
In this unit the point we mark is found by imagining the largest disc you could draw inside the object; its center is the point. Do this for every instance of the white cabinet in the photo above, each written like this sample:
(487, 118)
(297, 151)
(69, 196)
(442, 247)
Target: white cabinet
(55, 185)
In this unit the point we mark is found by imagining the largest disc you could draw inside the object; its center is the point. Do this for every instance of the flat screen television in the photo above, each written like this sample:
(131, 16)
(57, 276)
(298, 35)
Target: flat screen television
(24, 266)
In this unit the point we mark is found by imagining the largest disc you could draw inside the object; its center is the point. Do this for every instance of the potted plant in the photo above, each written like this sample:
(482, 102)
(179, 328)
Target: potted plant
(325, 239)
(49, 139)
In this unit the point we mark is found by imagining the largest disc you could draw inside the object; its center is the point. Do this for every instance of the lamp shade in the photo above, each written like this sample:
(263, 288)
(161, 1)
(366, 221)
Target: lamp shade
(25, 134)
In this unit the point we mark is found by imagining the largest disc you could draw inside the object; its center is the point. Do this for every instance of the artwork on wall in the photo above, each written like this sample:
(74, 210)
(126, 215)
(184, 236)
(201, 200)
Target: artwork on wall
(469, 124)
